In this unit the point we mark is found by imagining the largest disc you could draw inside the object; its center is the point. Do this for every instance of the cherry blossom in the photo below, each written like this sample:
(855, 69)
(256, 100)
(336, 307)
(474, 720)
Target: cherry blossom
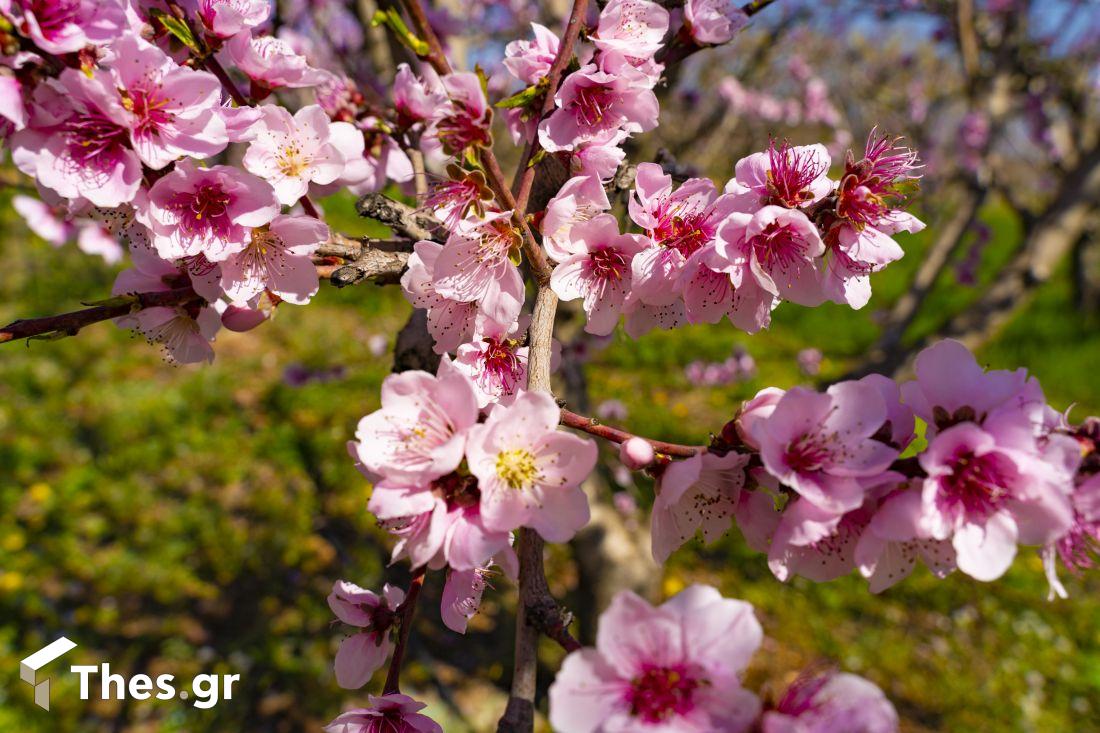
(595, 266)
(528, 471)
(529, 61)
(362, 653)
(822, 444)
(696, 494)
(1079, 547)
(227, 18)
(394, 713)
(290, 152)
(714, 21)
(77, 142)
(420, 432)
(599, 99)
(70, 25)
(276, 259)
(208, 211)
(674, 667)
(831, 703)
(171, 110)
(633, 28)
(476, 265)
(271, 63)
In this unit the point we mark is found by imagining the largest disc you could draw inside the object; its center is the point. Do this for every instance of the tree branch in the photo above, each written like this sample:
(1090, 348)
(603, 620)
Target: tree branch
(69, 324)
(402, 218)
(405, 613)
(592, 426)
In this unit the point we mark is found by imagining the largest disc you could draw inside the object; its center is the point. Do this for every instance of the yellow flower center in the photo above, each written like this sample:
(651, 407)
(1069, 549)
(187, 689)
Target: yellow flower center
(517, 468)
(291, 162)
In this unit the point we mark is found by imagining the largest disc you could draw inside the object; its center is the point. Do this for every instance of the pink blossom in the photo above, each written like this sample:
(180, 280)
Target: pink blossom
(463, 121)
(171, 110)
(679, 222)
(633, 28)
(292, 152)
(12, 106)
(831, 703)
(775, 249)
(1079, 547)
(709, 294)
(671, 669)
(420, 432)
(43, 220)
(185, 333)
(822, 445)
(599, 100)
(414, 99)
(271, 63)
(581, 198)
(477, 265)
(462, 597)
(595, 266)
(67, 26)
(208, 211)
(950, 387)
(227, 18)
(462, 193)
(599, 157)
(641, 317)
(243, 319)
(636, 453)
(441, 524)
(497, 365)
(895, 537)
(450, 322)
(363, 653)
(712, 22)
(528, 471)
(755, 410)
(789, 176)
(77, 142)
(696, 494)
(394, 713)
(986, 491)
(277, 259)
(529, 61)
(373, 157)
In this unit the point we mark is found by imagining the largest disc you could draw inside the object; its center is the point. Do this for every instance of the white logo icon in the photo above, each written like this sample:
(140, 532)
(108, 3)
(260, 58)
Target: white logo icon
(29, 667)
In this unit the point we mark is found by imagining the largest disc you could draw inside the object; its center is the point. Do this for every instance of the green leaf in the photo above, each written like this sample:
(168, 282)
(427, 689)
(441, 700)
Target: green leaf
(179, 29)
(393, 20)
(523, 98)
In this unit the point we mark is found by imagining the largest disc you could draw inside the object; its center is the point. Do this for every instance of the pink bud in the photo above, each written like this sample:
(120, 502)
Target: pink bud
(240, 319)
(636, 453)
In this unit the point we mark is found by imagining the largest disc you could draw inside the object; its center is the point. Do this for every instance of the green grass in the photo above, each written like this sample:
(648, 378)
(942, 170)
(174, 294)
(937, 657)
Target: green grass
(193, 519)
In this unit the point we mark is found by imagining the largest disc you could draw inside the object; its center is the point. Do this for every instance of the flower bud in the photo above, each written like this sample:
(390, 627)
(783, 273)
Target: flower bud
(636, 453)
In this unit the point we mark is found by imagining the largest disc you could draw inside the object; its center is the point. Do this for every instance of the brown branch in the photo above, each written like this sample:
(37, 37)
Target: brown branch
(616, 435)
(402, 218)
(69, 324)
(405, 613)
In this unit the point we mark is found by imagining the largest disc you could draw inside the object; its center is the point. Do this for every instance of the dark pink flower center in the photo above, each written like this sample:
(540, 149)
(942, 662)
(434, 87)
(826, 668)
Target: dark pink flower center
(872, 186)
(149, 110)
(808, 453)
(462, 129)
(659, 693)
(501, 366)
(204, 211)
(606, 264)
(94, 139)
(53, 16)
(791, 173)
(976, 486)
(686, 232)
(779, 246)
(592, 104)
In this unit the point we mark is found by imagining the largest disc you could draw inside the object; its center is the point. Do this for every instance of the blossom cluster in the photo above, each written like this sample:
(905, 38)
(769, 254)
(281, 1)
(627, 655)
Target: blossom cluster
(117, 112)
(452, 484)
(678, 667)
(828, 482)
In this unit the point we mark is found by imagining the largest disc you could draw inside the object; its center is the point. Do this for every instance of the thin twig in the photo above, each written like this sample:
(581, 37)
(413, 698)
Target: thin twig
(405, 613)
(69, 324)
(616, 435)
